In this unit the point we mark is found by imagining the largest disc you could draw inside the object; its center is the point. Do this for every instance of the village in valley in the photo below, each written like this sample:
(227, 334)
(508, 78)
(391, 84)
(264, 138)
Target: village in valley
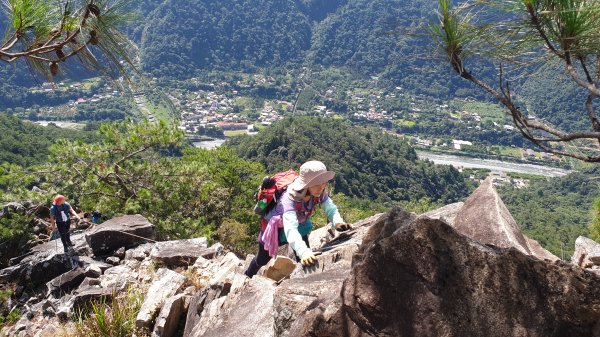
(214, 110)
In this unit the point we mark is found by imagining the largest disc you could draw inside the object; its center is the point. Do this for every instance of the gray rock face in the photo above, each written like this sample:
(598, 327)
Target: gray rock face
(166, 284)
(65, 282)
(168, 317)
(180, 252)
(426, 279)
(250, 314)
(586, 252)
(126, 231)
(485, 218)
(300, 297)
(43, 262)
(233, 305)
(447, 213)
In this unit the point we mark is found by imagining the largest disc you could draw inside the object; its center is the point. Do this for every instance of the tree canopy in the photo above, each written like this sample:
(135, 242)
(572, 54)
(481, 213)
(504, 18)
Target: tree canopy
(369, 164)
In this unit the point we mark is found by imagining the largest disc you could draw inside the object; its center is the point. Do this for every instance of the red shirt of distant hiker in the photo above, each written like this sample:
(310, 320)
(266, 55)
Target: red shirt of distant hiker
(60, 217)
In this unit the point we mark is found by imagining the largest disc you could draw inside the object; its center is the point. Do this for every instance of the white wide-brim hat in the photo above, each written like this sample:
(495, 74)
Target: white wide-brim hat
(311, 173)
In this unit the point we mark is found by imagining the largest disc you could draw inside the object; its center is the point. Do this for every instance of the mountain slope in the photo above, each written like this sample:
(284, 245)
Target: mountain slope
(184, 36)
(368, 163)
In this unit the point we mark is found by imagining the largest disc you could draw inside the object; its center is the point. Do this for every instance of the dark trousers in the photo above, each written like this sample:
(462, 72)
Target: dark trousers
(262, 257)
(65, 237)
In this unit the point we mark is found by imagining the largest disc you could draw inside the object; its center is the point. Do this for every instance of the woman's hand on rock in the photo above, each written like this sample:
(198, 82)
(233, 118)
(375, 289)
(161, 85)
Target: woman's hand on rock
(308, 258)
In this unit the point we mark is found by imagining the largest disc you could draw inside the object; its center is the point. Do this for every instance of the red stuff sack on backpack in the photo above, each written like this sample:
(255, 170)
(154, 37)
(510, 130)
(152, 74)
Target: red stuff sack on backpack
(271, 190)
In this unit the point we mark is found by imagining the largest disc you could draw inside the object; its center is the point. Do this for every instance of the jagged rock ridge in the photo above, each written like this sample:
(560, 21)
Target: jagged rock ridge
(394, 274)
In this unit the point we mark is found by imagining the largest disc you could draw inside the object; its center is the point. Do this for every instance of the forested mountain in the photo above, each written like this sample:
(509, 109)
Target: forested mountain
(369, 35)
(368, 163)
(556, 211)
(381, 37)
(549, 93)
(25, 143)
(387, 38)
(183, 36)
(318, 10)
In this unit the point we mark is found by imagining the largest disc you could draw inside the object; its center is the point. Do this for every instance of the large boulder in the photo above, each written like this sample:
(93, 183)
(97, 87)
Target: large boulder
(66, 282)
(126, 231)
(233, 305)
(426, 279)
(485, 218)
(43, 262)
(168, 317)
(248, 311)
(182, 252)
(165, 286)
(587, 253)
(297, 298)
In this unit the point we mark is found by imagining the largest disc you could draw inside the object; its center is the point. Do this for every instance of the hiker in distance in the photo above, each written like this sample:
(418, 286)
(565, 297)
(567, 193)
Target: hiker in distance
(60, 216)
(289, 221)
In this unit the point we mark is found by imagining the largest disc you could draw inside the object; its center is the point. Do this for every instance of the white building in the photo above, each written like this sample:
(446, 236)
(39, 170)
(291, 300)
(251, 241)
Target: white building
(459, 143)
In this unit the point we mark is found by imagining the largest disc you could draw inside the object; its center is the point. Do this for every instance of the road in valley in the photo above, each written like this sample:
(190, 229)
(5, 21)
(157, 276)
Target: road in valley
(493, 165)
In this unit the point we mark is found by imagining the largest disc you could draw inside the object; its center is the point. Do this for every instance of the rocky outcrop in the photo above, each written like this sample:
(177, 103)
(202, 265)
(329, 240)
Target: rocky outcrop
(46, 261)
(238, 306)
(298, 299)
(183, 252)
(66, 282)
(212, 305)
(166, 285)
(485, 218)
(394, 274)
(587, 253)
(168, 317)
(250, 311)
(126, 231)
(426, 279)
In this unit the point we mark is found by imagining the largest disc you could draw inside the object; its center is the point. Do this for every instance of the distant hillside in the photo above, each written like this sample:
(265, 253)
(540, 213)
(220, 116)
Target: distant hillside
(368, 163)
(318, 10)
(25, 144)
(555, 211)
(387, 38)
(551, 94)
(368, 37)
(186, 35)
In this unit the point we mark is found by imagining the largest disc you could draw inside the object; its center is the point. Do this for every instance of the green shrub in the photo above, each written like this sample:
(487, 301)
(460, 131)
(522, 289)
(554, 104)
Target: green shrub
(7, 315)
(14, 234)
(114, 319)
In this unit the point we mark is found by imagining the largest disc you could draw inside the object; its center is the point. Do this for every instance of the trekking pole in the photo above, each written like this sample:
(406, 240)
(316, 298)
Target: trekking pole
(137, 236)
